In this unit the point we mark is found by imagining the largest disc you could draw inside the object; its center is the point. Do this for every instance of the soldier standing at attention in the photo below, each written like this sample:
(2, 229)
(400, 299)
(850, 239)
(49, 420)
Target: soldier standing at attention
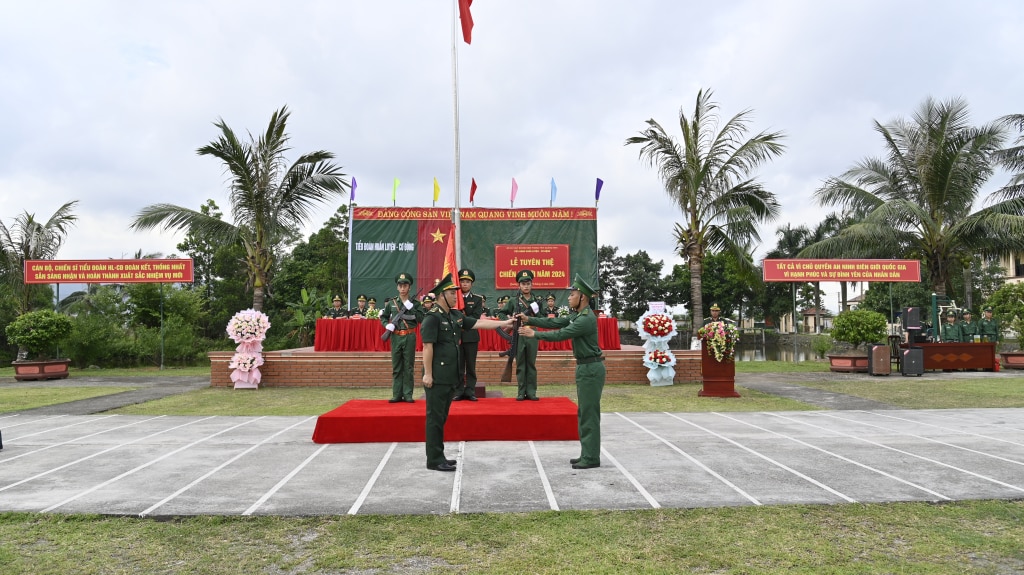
(360, 310)
(441, 332)
(525, 302)
(551, 310)
(474, 308)
(581, 327)
(336, 312)
(950, 331)
(968, 328)
(988, 327)
(400, 316)
(428, 302)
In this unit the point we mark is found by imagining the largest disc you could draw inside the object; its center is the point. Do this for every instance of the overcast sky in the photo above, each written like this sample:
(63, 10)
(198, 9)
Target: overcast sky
(107, 102)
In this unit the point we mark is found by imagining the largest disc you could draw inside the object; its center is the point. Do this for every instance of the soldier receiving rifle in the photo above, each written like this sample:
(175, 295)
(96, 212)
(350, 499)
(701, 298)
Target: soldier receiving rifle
(525, 302)
(400, 317)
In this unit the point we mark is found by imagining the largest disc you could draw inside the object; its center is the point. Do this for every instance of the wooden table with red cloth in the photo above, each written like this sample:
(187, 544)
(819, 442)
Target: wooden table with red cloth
(364, 335)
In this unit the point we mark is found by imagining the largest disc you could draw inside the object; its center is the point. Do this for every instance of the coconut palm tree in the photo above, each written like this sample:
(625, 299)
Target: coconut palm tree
(918, 201)
(270, 199)
(30, 239)
(708, 174)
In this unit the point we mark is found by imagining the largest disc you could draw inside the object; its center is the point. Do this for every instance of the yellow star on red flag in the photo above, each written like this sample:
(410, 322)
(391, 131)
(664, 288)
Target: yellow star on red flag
(438, 236)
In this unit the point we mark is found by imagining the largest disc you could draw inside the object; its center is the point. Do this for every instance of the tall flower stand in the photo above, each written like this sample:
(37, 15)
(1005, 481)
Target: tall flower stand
(718, 377)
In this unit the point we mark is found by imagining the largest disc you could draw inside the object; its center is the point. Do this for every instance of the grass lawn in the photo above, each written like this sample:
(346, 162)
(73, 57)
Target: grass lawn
(203, 370)
(20, 398)
(314, 401)
(915, 393)
(963, 537)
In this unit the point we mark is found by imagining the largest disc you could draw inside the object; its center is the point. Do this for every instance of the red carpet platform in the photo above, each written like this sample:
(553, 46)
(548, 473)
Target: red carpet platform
(489, 419)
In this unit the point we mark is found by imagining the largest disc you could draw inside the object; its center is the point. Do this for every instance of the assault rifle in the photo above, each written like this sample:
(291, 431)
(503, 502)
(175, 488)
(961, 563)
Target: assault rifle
(513, 342)
(403, 313)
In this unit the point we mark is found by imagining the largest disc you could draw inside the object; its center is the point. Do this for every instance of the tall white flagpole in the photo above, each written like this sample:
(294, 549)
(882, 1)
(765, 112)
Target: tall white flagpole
(456, 213)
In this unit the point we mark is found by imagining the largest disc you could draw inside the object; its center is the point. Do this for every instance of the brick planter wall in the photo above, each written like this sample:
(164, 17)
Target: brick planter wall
(306, 368)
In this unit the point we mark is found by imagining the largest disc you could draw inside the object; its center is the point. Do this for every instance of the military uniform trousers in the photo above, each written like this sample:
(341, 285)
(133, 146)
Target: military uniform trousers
(589, 386)
(439, 401)
(403, 356)
(467, 369)
(526, 367)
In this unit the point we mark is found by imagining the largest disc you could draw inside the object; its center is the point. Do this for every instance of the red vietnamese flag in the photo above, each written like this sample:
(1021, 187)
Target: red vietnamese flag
(472, 191)
(431, 242)
(467, 20)
(451, 267)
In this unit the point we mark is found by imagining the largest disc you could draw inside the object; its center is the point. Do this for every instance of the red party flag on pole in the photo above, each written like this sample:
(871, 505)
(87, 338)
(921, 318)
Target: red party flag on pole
(467, 20)
(472, 190)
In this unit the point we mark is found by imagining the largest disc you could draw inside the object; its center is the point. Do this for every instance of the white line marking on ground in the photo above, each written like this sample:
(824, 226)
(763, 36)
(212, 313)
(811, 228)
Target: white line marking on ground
(284, 481)
(218, 468)
(778, 464)
(80, 438)
(544, 478)
(34, 421)
(107, 450)
(837, 456)
(693, 460)
(651, 500)
(914, 455)
(373, 479)
(9, 416)
(83, 422)
(943, 428)
(145, 465)
(457, 486)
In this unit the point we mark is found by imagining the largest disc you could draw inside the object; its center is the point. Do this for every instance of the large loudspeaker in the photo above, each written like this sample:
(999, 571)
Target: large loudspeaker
(913, 361)
(879, 361)
(912, 318)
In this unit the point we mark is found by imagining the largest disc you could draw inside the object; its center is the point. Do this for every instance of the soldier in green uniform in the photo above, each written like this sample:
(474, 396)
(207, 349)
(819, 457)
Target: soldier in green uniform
(428, 302)
(500, 302)
(950, 331)
(474, 308)
(716, 315)
(441, 332)
(529, 304)
(360, 310)
(400, 317)
(551, 310)
(581, 327)
(968, 327)
(336, 311)
(988, 327)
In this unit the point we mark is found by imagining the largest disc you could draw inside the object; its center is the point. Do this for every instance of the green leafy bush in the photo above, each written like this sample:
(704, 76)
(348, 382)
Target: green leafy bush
(857, 327)
(38, 332)
(821, 344)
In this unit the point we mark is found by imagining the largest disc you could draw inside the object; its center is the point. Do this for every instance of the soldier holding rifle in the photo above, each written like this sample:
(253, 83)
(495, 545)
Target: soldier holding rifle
(581, 327)
(399, 317)
(528, 304)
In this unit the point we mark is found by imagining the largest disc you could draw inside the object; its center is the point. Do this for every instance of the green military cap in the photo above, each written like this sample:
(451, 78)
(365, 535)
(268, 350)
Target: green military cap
(966, 312)
(583, 287)
(987, 308)
(403, 279)
(428, 297)
(467, 274)
(446, 283)
(503, 299)
(714, 307)
(361, 298)
(551, 296)
(950, 313)
(524, 276)
(336, 298)
(372, 300)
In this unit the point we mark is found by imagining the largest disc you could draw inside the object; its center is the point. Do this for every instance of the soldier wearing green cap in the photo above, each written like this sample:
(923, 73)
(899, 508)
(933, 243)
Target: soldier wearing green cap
(950, 331)
(552, 308)
(968, 327)
(473, 306)
(581, 327)
(441, 331)
(988, 326)
(526, 303)
(336, 311)
(400, 317)
(360, 310)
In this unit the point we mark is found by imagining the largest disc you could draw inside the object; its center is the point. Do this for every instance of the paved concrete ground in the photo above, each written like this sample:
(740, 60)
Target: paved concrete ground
(170, 465)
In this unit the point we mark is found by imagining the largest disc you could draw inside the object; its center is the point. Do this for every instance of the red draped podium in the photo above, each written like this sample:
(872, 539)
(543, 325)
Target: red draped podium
(364, 335)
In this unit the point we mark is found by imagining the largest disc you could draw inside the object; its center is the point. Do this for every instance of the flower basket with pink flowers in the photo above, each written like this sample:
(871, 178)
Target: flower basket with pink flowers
(248, 328)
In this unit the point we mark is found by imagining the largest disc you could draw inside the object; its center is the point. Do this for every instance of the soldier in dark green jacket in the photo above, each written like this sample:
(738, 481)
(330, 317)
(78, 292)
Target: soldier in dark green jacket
(441, 332)
(529, 304)
(581, 327)
(950, 331)
(400, 317)
(474, 308)
(968, 327)
(988, 327)
(336, 311)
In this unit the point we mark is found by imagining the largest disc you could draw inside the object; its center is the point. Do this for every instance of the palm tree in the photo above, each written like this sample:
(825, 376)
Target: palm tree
(917, 201)
(708, 174)
(269, 199)
(30, 239)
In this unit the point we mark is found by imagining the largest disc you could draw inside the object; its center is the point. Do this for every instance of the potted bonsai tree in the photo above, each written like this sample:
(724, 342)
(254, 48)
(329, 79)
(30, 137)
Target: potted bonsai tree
(36, 334)
(856, 328)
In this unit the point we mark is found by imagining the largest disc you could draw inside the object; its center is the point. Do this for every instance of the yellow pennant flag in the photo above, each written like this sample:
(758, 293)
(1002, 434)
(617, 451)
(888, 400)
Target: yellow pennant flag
(394, 191)
(437, 190)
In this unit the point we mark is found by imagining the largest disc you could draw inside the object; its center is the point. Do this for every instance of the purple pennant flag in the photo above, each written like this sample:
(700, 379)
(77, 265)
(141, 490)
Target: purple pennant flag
(352, 197)
(597, 194)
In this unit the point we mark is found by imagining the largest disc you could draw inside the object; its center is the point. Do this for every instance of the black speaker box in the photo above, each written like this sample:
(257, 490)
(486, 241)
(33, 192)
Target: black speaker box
(913, 361)
(911, 318)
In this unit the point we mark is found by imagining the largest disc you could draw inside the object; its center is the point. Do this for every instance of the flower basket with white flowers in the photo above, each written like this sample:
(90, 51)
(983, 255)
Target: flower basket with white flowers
(657, 329)
(248, 328)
